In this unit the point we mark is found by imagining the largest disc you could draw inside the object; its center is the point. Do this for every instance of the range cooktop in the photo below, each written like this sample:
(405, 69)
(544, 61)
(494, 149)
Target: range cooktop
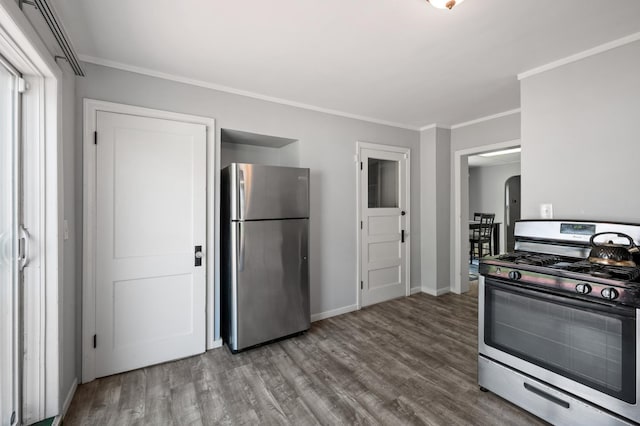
(577, 277)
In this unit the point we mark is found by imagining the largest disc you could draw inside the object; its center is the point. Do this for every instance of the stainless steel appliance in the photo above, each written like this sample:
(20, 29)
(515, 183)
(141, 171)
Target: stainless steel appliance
(560, 335)
(265, 253)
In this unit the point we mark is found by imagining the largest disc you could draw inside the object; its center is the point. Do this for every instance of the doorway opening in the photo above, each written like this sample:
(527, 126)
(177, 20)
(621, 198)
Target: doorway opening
(480, 191)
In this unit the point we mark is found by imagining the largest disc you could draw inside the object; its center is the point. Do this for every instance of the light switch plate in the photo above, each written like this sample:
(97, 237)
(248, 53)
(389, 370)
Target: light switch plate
(546, 211)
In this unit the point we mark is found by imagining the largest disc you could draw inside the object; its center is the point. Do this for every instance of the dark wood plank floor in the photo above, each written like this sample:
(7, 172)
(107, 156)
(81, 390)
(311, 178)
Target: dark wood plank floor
(407, 361)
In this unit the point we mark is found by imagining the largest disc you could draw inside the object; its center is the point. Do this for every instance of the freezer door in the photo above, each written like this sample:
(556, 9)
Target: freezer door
(272, 281)
(268, 192)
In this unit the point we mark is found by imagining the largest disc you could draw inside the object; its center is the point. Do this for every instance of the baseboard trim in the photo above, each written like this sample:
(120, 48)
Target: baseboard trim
(438, 292)
(415, 290)
(333, 313)
(67, 402)
(215, 344)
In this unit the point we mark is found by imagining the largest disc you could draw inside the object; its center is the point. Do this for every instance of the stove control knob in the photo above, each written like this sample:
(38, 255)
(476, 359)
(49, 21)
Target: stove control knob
(515, 275)
(609, 293)
(583, 288)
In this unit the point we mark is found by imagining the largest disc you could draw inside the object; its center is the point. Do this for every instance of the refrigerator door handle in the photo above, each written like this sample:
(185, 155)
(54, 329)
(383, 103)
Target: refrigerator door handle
(508, 214)
(241, 194)
(240, 248)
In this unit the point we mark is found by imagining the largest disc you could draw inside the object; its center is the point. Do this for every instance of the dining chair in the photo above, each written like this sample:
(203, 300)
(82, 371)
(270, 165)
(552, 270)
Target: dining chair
(481, 236)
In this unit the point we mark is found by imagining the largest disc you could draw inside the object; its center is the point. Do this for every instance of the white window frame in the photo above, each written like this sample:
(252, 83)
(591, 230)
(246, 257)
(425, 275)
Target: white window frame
(41, 125)
(91, 108)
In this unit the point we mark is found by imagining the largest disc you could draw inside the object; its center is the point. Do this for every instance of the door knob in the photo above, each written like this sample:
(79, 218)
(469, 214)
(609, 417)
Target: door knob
(23, 248)
(198, 256)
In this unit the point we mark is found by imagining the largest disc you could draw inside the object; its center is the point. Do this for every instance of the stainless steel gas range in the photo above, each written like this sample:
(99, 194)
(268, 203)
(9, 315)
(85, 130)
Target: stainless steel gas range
(559, 333)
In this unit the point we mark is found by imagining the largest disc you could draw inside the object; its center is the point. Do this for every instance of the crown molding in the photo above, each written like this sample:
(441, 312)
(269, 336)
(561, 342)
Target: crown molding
(434, 126)
(487, 118)
(226, 89)
(428, 127)
(581, 55)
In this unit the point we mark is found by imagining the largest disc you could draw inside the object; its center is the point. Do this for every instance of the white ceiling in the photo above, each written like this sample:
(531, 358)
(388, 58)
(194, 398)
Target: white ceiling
(497, 160)
(399, 61)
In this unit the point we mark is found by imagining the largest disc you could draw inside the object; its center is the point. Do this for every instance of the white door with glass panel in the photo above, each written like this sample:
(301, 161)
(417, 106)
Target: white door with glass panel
(383, 227)
(150, 240)
(10, 246)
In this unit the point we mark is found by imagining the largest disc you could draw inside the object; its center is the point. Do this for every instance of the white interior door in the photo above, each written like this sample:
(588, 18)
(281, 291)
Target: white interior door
(151, 220)
(9, 272)
(383, 228)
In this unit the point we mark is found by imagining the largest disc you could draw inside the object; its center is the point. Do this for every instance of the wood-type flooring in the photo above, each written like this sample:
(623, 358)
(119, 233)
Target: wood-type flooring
(407, 361)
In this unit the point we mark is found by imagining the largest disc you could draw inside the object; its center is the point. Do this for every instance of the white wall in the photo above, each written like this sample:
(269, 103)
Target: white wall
(69, 295)
(435, 184)
(486, 192)
(241, 153)
(287, 155)
(326, 146)
(581, 138)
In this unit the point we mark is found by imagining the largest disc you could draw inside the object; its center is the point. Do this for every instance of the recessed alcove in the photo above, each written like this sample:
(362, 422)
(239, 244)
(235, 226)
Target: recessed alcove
(238, 146)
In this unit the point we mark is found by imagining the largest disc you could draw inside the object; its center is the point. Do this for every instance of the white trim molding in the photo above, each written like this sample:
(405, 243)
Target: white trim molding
(438, 292)
(68, 399)
(415, 290)
(581, 55)
(486, 118)
(91, 108)
(21, 45)
(360, 145)
(432, 126)
(227, 89)
(460, 282)
(333, 313)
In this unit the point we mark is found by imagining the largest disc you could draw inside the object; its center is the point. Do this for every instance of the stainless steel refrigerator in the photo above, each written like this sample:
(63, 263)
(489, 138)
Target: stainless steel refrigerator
(264, 253)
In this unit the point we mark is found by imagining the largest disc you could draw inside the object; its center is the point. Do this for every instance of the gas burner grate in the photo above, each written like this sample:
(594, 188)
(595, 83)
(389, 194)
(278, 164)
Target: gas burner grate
(626, 273)
(530, 259)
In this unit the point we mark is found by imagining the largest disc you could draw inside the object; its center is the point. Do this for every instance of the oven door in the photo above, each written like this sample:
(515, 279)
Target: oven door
(585, 348)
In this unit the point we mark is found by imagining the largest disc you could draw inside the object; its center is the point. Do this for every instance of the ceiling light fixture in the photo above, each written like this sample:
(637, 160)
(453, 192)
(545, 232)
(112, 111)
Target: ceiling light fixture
(503, 152)
(444, 4)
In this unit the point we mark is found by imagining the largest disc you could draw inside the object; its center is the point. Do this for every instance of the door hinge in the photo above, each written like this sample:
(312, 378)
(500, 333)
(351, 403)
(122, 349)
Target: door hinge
(95, 137)
(22, 85)
(95, 341)
(361, 225)
(361, 165)
(361, 285)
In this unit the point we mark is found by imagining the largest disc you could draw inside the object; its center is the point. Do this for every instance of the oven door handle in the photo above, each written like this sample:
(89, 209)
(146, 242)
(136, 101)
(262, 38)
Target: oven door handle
(546, 395)
(599, 306)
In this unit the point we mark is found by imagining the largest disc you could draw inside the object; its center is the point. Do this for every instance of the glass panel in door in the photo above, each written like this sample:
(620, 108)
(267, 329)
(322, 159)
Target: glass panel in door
(382, 183)
(8, 246)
